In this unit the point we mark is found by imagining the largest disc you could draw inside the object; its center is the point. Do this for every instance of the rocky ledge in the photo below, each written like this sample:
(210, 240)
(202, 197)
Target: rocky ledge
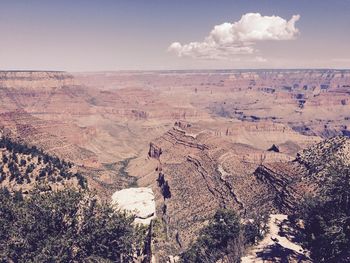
(138, 201)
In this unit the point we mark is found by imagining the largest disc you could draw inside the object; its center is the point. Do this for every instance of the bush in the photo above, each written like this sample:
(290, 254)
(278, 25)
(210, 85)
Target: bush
(255, 229)
(64, 226)
(327, 218)
(221, 239)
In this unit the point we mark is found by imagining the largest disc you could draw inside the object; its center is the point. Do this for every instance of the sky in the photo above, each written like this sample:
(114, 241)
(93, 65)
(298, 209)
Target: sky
(100, 35)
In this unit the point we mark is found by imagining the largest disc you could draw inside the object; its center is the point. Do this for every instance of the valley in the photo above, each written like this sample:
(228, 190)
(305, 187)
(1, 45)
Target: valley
(252, 141)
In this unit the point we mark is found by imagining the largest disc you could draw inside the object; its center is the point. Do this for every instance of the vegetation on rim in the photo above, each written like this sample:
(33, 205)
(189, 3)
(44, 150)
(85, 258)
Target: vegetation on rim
(23, 167)
(65, 226)
(224, 238)
(327, 217)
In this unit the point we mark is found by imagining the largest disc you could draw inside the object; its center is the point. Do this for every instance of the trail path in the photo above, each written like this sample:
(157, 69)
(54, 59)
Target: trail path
(276, 247)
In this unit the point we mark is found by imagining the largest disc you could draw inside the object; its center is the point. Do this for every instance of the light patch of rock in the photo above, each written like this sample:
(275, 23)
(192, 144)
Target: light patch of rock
(139, 201)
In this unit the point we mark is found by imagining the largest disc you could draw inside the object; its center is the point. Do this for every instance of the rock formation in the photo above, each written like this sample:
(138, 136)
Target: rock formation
(138, 201)
(205, 171)
(234, 143)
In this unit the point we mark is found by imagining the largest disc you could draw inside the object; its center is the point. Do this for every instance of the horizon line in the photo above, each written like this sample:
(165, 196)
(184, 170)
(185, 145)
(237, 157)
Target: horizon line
(173, 70)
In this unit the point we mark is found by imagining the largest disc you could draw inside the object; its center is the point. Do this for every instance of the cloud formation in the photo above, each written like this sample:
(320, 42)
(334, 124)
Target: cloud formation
(239, 38)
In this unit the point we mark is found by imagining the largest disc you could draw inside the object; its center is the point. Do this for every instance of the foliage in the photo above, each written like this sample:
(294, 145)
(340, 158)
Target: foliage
(327, 217)
(64, 226)
(22, 160)
(222, 238)
(255, 229)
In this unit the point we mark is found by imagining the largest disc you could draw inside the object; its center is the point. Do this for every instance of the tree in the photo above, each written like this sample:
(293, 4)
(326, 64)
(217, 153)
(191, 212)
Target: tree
(166, 190)
(4, 159)
(327, 217)
(23, 162)
(64, 226)
(221, 239)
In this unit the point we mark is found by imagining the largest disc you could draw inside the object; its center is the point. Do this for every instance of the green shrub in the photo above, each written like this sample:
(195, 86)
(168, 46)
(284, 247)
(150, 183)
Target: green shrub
(222, 238)
(64, 226)
(327, 218)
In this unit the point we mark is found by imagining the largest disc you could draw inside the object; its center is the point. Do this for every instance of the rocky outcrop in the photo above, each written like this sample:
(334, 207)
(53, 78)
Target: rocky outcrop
(212, 170)
(154, 151)
(274, 148)
(285, 182)
(182, 124)
(290, 181)
(180, 137)
(138, 201)
(139, 114)
(208, 171)
(323, 154)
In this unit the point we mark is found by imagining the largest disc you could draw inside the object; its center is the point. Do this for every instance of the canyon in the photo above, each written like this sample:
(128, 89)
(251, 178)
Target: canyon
(246, 140)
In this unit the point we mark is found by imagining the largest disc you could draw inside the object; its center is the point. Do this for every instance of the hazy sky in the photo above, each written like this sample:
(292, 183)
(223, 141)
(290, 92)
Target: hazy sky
(83, 35)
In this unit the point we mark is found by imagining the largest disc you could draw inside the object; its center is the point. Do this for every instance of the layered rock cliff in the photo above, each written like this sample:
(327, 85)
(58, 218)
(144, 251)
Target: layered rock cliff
(201, 169)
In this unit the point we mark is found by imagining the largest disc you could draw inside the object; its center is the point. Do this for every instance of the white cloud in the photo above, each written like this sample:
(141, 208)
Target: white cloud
(260, 59)
(239, 38)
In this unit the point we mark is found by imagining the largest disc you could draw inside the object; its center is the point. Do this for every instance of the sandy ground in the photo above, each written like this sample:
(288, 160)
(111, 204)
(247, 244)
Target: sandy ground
(276, 247)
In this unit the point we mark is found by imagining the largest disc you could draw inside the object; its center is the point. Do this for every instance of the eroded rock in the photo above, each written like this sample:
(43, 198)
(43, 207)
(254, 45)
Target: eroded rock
(139, 201)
